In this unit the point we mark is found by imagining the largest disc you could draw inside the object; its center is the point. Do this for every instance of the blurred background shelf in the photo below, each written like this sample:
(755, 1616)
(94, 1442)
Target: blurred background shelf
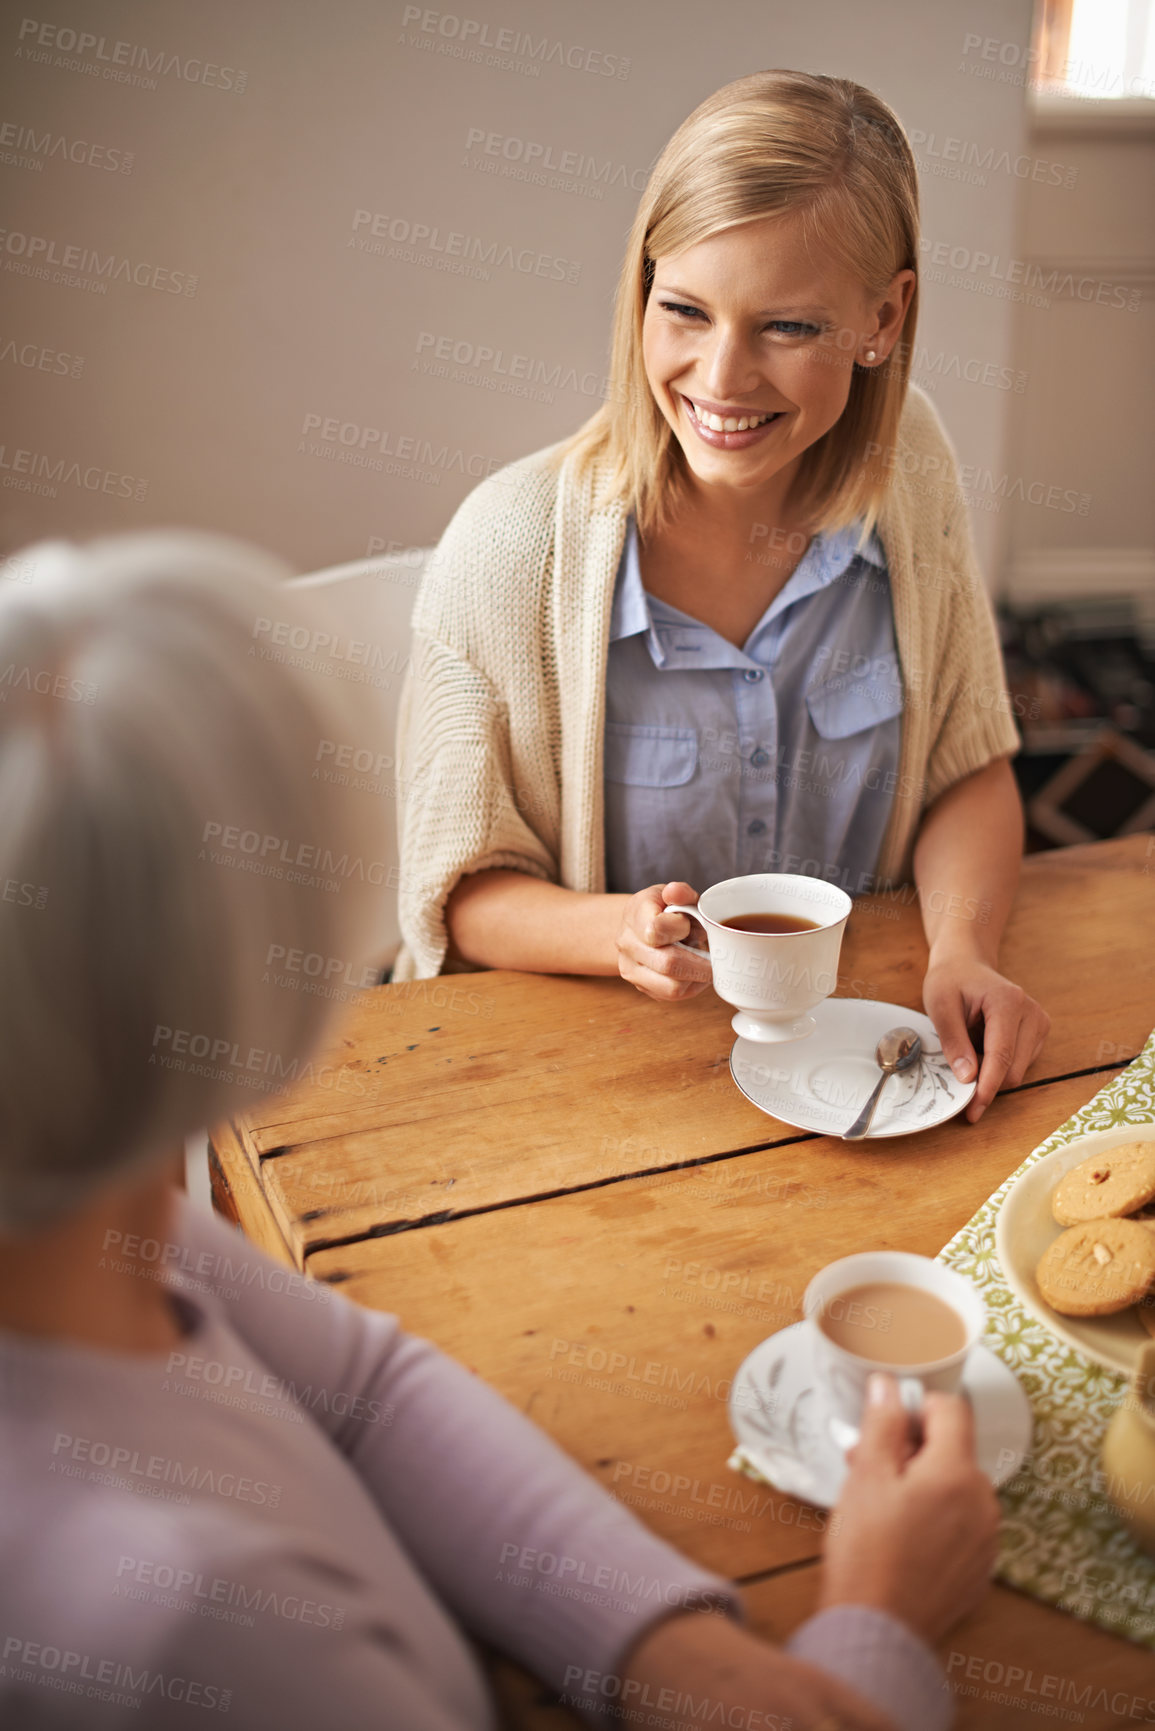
(1082, 680)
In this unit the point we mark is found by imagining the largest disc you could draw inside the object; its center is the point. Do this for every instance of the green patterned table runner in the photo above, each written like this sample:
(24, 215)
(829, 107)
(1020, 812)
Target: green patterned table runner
(1062, 1540)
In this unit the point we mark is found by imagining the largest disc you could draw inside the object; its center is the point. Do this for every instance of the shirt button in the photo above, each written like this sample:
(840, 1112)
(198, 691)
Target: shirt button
(752, 675)
(759, 757)
(756, 828)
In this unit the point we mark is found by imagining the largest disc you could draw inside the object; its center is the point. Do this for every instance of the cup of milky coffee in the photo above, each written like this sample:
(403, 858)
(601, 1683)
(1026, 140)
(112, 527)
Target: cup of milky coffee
(774, 946)
(888, 1310)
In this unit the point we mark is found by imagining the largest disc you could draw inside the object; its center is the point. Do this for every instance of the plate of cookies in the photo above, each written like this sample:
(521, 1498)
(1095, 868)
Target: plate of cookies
(1076, 1239)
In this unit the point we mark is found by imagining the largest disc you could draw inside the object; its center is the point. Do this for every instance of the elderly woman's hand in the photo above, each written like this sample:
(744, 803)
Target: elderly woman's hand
(647, 941)
(916, 1529)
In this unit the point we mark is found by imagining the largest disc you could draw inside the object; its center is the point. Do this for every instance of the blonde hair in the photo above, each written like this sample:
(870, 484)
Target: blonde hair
(768, 144)
(157, 770)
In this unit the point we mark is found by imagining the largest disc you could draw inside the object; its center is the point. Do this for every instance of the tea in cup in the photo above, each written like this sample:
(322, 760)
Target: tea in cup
(774, 942)
(888, 1310)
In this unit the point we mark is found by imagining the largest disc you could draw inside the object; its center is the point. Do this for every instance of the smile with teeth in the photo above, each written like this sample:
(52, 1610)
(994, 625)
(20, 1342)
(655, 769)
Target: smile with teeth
(728, 423)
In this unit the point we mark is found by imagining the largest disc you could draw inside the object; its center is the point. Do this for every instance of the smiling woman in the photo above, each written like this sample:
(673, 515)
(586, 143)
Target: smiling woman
(733, 377)
(734, 624)
(822, 167)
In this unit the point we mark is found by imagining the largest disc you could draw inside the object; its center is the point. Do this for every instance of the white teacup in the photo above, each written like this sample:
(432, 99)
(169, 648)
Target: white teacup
(843, 1375)
(772, 978)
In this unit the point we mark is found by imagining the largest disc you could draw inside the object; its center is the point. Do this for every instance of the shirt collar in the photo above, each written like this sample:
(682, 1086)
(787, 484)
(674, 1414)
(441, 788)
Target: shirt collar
(837, 549)
(631, 612)
(828, 558)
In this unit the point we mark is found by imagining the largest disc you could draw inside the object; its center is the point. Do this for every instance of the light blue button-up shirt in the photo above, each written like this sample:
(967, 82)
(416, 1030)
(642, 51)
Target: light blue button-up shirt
(779, 756)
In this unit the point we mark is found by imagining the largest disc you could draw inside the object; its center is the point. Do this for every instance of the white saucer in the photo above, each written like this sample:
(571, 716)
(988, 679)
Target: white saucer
(779, 1416)
(822, 1082)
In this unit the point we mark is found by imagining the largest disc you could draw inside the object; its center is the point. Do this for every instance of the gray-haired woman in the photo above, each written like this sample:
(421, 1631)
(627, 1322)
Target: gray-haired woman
(223, 1488)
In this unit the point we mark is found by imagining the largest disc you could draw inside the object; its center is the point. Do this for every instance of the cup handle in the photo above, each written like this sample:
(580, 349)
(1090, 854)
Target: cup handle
(911, 1393)
(680, 944)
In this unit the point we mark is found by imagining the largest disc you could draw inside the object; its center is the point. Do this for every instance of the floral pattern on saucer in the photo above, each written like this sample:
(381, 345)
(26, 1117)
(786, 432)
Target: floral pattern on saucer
(781, 1418)
(821, 1082)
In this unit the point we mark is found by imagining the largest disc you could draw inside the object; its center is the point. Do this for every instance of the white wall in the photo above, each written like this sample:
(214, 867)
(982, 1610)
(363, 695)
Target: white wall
(245, 198)
(1086, 342)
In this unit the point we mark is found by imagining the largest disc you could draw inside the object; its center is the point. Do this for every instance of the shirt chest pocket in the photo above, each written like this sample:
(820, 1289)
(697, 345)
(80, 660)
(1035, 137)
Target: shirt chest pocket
(849, 703)
(650, 756)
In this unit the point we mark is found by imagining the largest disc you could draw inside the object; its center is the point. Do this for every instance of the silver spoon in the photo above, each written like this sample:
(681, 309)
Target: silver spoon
(897, 1050)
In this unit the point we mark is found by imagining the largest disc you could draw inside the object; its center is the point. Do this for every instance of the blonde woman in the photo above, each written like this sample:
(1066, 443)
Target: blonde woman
(735, 624)
(224, 1489)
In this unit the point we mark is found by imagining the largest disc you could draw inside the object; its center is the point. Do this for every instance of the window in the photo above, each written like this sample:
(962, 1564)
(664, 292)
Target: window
(1096, 50)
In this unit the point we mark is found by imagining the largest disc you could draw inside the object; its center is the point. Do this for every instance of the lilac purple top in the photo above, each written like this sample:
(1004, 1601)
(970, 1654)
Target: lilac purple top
(301, 1516)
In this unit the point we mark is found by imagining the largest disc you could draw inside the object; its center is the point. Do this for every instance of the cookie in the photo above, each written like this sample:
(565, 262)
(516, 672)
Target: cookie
(1107, 1186)
(1098, 1268)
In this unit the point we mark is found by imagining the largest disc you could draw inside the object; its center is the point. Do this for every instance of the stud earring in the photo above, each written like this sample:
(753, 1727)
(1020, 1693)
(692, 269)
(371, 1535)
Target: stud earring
(870, 355)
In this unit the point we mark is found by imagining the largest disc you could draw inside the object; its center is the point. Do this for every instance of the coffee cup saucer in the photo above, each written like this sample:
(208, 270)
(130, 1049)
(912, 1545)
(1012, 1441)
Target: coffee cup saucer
(781, 1420)
(821, 1082)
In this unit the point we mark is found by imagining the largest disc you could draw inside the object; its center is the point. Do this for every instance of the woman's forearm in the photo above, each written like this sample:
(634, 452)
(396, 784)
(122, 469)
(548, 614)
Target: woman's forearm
(966, 865)
(507, 919)
(699, 1671)
(966, 862)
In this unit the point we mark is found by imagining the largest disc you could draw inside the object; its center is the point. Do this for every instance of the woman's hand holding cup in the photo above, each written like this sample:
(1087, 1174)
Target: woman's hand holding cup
(915, 1532)
(648, 956)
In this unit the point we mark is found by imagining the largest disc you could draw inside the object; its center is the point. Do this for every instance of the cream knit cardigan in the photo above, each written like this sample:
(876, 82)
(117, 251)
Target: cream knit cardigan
(503, 710)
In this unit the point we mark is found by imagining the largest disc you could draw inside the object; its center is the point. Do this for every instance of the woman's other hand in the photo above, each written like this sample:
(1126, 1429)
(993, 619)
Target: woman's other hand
(915, 1532)
(647, 954)
(966, 866)
(962, 992)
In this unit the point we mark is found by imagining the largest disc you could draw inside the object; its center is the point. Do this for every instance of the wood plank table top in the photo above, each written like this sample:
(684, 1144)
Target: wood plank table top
(615, 1316)
(557, 1181)
(477, 1090)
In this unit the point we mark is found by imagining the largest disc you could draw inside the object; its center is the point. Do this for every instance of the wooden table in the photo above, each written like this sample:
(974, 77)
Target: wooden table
(557, 1181)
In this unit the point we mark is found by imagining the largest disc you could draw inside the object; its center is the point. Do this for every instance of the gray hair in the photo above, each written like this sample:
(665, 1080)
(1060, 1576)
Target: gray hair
(165, 832)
